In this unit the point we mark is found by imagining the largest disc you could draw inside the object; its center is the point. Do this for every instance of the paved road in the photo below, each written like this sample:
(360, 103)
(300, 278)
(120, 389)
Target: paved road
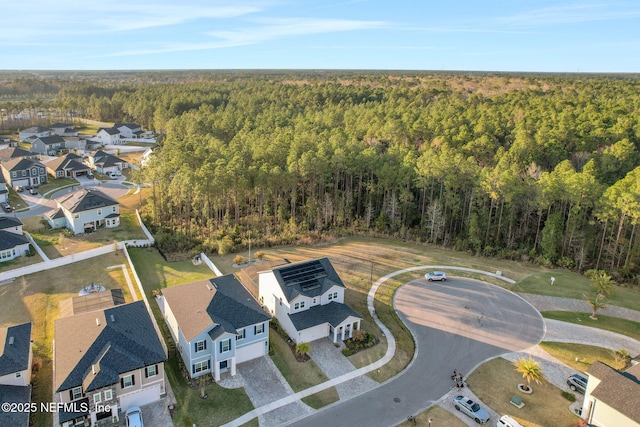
(457, 324)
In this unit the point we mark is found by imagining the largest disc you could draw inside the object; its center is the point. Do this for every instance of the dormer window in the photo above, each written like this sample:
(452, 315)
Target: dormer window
(76, 393)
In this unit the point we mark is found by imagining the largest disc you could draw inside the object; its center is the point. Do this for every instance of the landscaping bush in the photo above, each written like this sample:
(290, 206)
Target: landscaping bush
(238, 259)
(569, 396)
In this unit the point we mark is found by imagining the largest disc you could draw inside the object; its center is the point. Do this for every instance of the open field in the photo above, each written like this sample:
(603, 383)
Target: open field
(36, 298)
(494, 383)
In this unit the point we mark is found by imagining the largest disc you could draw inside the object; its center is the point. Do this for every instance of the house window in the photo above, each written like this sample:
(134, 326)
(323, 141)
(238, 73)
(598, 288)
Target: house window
(224, 364)
(14, 174)
(76, 215)
(330, 297)
(128, 381)
(333, 296)
(259, 329)
(76, 393)
(18, 374)
(114, 209)
(34, 172)
(241, 335)
(151, 371)
(200, 366)
(225, 345)
(108, 395)
(201, 346)
(97, 398)
(315, 300)
(299, 305)
(99, 211)
(24, 173)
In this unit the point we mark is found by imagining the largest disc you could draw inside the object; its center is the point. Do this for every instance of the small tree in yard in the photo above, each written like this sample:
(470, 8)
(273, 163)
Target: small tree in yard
(596, 302)
(603, 283)
(303, 348)
(530, 370)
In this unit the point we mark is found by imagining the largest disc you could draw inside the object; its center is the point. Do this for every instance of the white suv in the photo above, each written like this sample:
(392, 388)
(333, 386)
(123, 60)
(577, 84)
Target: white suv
(436, 275)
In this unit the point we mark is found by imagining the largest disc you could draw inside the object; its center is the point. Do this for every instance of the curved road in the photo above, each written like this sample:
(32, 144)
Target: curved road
(457, 324)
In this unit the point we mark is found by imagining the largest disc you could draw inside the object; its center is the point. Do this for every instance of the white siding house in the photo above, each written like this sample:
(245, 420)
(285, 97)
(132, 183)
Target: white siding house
(307, 298)
(85, 211)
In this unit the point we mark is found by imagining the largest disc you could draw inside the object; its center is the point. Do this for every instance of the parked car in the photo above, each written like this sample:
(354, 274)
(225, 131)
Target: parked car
(134, 417)
(577, 382)
(116, 173)
(507, 421)
(19, 188)
(33, 191)
(7, 207)
(436, 275)
(470, 408)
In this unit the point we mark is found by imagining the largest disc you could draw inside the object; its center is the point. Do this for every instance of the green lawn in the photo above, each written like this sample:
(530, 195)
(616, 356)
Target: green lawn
(494, 382)
(580, 356)
(438, 417)
(613, 324)
(55, 184)
(300, 375)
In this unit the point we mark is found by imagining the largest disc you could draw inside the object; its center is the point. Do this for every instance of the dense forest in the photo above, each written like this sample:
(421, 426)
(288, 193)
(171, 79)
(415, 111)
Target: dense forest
(542, 168)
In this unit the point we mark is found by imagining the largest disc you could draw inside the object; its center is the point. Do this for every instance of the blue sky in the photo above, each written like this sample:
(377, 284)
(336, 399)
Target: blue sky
(500, 35)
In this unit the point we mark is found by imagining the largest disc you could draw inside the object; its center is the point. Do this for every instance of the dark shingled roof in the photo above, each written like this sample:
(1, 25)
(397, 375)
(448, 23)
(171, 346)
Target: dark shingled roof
(70, 161)
(221, 304)
(619, 390)
(92, 349)
(110, 131)
(64, 416)
(14, 153)
(49, 140)
(309, 278)
(131, 126)
(61, 126)
(9, 240)
(9, 222)
(85, 200)
(21, 164)
(15, 394)
(15, 344)
(35, 129)
(333, 313)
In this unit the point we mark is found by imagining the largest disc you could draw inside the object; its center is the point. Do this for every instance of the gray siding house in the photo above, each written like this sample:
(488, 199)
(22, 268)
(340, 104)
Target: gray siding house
(84, 211)
(216, 325)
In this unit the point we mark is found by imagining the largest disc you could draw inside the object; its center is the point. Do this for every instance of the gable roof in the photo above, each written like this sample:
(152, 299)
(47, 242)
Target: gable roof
(249, 276)
(61, 126)
(131, 126)
(221, 303)
(14, 153)
(110, 342)
(70, 161)
(109, 131)
(105, 159)
(20, 164)
(618, 389)
(91, 302)
(309, 278)
(85, 199)
(333, 313)
(9, 240)
(50, 140)
(9, 222)
(15, 345)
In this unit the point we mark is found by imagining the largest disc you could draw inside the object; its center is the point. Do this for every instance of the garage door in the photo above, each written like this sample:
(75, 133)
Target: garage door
(140, 397)
(250, 352)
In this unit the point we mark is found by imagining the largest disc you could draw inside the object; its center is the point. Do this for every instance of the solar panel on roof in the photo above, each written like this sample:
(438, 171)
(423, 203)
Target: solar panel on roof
(307, 275)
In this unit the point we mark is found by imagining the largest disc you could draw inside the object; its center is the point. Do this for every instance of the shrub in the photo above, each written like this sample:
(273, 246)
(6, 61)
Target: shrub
(569, 396)
(238, 259)
(260, 255)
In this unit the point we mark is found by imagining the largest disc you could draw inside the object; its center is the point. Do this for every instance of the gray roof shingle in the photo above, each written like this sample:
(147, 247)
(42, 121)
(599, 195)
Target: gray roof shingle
(309, 278)
(333, 313)
(15, 346)
(117, 340)
(618, 389)
(85, 200)
(9, 240)
(15, 394)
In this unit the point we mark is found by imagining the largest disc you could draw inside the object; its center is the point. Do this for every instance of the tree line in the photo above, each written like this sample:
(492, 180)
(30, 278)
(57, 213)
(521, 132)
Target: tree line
(528, 167)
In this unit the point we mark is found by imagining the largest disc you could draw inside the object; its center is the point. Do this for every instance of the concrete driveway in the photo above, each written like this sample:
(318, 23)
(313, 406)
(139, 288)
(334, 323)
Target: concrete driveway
(457, 324)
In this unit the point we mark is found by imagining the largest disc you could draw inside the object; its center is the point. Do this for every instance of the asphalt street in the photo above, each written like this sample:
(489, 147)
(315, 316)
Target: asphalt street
(457, 324)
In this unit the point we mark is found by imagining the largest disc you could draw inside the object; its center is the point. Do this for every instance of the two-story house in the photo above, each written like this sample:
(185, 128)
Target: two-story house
(48, 145)
(35, 131)
(103, 162)
(25, 172)
(216, 324)
(84, 211)
(67, 166)
(4, 191)
(307, 298)
(107, 360)
(129, 130)
(108, 136)
(13, 243)
(64, 129)
(15, 372)
(612, 397)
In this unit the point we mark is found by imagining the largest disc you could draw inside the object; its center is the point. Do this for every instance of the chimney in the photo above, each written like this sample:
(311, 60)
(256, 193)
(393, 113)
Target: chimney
(97, 321)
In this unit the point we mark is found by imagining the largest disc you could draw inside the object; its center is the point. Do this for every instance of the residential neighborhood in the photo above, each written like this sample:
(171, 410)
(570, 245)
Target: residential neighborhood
(146, 340)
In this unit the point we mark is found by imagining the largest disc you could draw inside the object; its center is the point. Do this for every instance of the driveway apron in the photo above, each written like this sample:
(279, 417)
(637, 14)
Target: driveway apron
(333, 363)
